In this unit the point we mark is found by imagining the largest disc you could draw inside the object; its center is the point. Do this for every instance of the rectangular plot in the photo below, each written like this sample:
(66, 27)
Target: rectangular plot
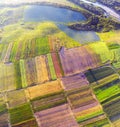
(3, 52)
(16, 47)
(57, 116)
(105, 81)
(77, 60)
(56, 63)
(18, 75)
(48, 102)
(93, 120)
(31, 76)
(23, 73)
(106, 93)
(7, 77)
(41, 68)
(51, 67)
(26, 50)
(99, 73)
(113, 108)
(80, 100)
(20, 113)
(42, 46)
(74, 81)
(89, 116)
(102, 50)
(46, 89)
(32, 49)
(16, 98)
(7, 55)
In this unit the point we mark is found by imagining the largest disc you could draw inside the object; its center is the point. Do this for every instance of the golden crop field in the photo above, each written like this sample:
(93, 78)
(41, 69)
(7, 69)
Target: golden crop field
(44, 89)
(41, 67)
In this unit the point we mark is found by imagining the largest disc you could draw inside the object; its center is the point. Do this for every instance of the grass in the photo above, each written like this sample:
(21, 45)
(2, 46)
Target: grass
(29, 31)
(51, 67)
(23, 73)
(20, 113)
(32, 37)
(110, 37)
(101, 49)
(42, 46)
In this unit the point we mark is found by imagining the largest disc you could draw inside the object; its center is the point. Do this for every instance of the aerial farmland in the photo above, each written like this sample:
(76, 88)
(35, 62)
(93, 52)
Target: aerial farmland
(60, 63)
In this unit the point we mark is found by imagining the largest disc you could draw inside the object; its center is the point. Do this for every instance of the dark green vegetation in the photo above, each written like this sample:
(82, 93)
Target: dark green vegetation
(20, 113)
(107, 90)
(48, 102)
(98, 24)
(99, 73)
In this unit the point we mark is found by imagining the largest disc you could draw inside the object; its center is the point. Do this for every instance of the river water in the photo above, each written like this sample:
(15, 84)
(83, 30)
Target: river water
(109, 11)
(60, 16)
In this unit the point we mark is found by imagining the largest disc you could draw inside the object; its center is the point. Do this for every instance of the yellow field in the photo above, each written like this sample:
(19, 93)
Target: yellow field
(44, 89)
(116, 123)
(41, 67)
(89, 111)
(110, 37)
(7, 77)
(16, 98)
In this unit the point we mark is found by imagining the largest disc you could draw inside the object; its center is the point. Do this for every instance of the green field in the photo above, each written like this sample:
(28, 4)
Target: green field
(23, 73)
(42, 46)
(51, 67)
(20, 113)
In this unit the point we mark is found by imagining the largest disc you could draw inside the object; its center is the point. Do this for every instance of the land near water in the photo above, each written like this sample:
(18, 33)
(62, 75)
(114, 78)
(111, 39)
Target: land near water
(48, 79)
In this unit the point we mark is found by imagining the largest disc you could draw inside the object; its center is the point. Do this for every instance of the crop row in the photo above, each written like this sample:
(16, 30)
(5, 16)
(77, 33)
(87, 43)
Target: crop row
(98, 73)
(57, 116)
(48, 102)
(74, 81)
(77, 60)
(27, 49)
(7, 77)
(20, 113)
(107, 90)
(43, 90)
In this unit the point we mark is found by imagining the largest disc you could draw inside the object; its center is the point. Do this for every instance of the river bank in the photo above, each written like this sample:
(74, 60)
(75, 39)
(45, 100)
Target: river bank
(96, 24)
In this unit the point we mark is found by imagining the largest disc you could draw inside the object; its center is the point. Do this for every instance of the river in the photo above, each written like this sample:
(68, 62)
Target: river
(60, 16)
(109, 11)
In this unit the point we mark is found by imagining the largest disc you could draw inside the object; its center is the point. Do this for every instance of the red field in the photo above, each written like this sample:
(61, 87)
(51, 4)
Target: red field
(56, 65)
(77, 60)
